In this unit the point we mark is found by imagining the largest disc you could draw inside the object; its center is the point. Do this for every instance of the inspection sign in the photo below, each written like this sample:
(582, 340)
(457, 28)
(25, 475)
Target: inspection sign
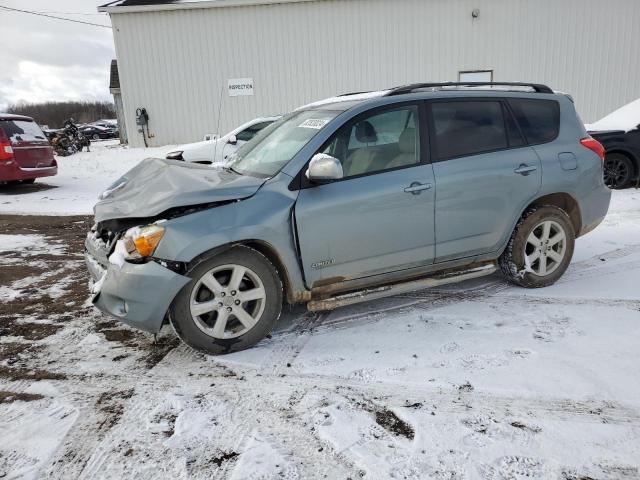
(240, 86)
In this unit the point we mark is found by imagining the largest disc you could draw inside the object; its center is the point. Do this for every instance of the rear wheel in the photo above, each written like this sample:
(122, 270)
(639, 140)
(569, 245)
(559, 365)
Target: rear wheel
(29, 181)
(618, 170)
(540, 248)
(232, 301)
(96, 136)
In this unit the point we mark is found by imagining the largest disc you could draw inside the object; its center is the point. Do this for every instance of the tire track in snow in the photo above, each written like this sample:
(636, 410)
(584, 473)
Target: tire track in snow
(288, 345)
(449, 400)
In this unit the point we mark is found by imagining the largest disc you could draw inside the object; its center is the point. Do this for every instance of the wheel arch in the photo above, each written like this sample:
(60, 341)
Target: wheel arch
(272, 255)
(563, 201)
(269, 252)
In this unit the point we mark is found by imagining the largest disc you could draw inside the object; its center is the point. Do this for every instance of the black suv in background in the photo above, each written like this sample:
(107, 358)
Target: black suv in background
(622, 160)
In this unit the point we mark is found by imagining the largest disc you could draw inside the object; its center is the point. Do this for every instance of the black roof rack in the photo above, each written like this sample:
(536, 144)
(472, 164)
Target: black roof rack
(538, 88)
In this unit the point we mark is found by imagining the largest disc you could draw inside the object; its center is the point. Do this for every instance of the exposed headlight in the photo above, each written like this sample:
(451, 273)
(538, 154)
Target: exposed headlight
(145, 239)
(177, 155)
(137, 243)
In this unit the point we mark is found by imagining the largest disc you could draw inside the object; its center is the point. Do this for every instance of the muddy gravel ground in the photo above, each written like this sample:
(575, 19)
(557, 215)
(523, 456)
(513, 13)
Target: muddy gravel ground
(479, 381)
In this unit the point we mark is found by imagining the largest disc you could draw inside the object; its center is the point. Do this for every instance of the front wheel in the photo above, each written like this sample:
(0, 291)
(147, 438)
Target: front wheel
(540, 248)
(232, 301)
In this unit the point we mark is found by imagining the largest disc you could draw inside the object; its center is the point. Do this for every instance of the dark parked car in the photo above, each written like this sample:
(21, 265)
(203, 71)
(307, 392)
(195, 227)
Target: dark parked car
(25, 153)
(622, 160)
(96, 132)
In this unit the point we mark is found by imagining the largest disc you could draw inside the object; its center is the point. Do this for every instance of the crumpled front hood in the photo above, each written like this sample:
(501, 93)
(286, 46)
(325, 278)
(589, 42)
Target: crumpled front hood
(155, 185)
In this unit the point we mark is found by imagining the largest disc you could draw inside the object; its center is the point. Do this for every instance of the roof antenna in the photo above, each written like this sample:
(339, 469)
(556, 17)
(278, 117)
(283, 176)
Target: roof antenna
(215, 149)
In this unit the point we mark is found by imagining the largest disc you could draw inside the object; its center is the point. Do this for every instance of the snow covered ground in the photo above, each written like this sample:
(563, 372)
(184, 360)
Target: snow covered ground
(480, 380)
(81, 178)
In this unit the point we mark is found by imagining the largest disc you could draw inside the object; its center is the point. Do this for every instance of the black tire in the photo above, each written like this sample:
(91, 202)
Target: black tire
(618, 171)
(512, 260)
(96, 136)
(185, 324)
(29, 181)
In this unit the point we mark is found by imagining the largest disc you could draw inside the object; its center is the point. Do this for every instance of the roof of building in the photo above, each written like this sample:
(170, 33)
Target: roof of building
(125, 6)
(114, 78)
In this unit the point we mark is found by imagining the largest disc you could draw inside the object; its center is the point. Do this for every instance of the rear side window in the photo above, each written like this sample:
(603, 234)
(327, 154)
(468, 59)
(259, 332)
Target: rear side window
(22, 130)
(538, 119)
(468, 128)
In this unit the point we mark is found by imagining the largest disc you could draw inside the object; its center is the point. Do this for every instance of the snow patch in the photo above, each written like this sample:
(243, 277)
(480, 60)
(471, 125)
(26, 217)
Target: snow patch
(30, 244)
(36, 430)
(119, 255)
(262, 459)
(625, 118)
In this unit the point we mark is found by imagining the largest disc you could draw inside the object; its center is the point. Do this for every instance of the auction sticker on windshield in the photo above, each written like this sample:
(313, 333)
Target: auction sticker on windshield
(314, 123)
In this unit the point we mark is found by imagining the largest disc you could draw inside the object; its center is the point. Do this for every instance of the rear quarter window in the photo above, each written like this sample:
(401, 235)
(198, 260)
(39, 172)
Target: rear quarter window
(539, 120)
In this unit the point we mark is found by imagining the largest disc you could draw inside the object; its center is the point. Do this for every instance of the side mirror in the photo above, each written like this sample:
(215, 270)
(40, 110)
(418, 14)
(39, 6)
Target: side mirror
(324, 168)
(232, 140)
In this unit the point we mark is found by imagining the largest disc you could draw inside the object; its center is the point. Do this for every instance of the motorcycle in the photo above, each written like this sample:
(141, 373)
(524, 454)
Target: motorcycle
(69, 140)
(62, 144)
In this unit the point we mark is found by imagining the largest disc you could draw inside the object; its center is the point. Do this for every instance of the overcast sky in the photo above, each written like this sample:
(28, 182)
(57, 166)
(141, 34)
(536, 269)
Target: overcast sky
(44, 59)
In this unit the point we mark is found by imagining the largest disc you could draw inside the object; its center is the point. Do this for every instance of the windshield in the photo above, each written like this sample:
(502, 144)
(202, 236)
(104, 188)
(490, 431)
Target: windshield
(276, 145)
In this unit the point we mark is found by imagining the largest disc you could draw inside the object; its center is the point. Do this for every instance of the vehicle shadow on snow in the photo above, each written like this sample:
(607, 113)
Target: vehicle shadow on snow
(297, 326)
(21, 189)
(297, 317)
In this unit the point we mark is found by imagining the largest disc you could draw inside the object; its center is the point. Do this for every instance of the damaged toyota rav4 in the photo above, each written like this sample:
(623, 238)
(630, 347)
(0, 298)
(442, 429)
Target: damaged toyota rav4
(346, 200)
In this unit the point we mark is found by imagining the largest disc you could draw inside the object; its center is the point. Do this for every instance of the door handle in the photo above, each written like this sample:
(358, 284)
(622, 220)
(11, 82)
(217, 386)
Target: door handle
(525, 169)
(416, 187)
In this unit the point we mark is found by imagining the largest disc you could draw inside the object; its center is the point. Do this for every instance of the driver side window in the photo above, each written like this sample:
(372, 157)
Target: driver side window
(382, 141)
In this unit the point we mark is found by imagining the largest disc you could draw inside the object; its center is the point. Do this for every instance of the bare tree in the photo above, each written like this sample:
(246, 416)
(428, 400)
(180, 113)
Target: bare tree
(54, 114)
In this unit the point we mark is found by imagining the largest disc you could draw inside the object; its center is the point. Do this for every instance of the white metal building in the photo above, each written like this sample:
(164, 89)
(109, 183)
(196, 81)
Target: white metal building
(186, 60)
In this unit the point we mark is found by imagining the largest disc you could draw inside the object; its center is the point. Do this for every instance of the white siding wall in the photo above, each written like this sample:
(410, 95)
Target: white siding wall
(176, 62)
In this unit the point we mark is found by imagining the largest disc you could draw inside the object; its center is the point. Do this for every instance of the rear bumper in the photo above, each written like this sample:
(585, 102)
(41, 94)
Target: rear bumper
(594, 208)
(11, 171)
(137, 294)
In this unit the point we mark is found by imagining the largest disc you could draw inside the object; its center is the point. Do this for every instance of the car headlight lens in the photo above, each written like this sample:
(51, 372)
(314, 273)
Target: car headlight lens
(177, 155)
(141, 242)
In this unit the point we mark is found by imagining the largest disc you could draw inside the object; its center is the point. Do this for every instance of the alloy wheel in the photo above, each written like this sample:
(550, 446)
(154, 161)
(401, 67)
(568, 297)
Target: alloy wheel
(545, 248)
(616, 172)
(227, 301)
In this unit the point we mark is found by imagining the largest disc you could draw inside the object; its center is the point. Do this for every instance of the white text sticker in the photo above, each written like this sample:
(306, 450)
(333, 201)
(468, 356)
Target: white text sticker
(316, 124)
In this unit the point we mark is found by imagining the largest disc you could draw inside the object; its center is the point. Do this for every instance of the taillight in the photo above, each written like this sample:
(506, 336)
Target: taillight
(593, 145)
(6, 150)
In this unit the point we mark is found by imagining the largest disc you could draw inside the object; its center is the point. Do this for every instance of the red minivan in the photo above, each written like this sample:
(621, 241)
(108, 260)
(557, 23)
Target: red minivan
(25, 152)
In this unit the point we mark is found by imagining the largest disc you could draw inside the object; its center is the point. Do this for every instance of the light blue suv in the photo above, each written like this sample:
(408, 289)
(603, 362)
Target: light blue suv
(349, 199)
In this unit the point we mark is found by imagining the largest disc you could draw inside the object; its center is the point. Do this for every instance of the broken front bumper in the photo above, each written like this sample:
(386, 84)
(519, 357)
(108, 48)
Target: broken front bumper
(137, 294)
